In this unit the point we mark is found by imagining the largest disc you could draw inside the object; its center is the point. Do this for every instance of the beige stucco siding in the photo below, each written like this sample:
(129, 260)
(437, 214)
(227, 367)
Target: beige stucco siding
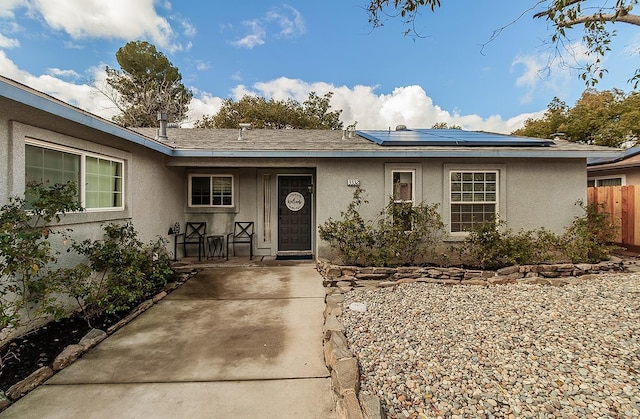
(533, 193)
(152, 192)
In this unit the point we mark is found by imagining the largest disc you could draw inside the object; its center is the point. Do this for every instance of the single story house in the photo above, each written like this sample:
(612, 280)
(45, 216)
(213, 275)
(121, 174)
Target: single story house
(288, 182)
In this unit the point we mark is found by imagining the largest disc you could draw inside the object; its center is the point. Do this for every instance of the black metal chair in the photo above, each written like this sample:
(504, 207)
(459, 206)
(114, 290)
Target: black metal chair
(194, 233)
(242, 233)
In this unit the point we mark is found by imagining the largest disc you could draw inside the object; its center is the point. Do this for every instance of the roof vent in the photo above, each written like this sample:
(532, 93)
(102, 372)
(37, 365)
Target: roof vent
(350, 131)
(243, 127)
(401, 127)
(162, 130)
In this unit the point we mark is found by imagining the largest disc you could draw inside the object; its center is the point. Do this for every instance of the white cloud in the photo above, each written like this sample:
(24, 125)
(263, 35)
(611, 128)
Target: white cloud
(288, 23)
(120, 19)
(8, 42)
(204, 104)
(202, 66)
(408, 106)
(255, 37)
(289, 26)
(8, 6)
(63, 73)
(82, 95)
(548, 76)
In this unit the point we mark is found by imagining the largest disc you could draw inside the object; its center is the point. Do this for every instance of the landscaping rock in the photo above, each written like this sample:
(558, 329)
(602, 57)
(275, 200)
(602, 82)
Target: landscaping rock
(348, 407)
(344, 376)
(371, 406)
(67, 356)
(4, 401)
(34, 380)
(92, 338)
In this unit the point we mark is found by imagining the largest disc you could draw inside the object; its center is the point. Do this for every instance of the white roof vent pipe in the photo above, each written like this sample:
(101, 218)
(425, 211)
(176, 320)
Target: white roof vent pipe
(243, 128)
(162, 130)
(350, 131)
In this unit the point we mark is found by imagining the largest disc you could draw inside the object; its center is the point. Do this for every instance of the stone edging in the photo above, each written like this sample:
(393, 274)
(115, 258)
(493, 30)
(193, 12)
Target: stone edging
(340, 360)
(72, 352)
(549, 274)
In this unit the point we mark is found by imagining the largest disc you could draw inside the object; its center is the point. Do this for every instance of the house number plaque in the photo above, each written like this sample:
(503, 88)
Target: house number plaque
(294, 201)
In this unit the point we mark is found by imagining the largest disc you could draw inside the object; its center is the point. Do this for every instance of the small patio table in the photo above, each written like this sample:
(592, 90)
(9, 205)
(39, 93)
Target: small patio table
(215, 246)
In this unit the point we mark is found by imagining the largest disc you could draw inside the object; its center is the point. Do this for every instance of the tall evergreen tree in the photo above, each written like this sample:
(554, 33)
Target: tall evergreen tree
(147, 83)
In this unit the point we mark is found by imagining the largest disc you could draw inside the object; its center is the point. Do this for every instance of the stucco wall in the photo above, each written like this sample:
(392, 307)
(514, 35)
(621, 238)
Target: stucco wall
(152, 192)
(533, 193)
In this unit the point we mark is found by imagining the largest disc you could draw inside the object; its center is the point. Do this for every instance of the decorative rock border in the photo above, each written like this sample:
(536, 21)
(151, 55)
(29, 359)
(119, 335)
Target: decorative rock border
(340, 360)
(548, 274)
(72, 352)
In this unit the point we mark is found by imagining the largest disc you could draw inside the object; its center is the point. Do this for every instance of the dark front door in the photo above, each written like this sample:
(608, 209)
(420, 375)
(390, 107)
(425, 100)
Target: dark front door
(294, 213)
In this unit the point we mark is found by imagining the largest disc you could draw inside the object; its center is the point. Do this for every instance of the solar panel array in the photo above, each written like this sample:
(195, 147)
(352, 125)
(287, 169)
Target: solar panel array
(449, 137)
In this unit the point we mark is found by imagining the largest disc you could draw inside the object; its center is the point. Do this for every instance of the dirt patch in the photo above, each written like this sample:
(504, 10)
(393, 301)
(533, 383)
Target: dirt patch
(38, 348)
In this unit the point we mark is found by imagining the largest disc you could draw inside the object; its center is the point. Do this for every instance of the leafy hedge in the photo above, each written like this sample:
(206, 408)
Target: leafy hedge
(406, 234)
(121, 270)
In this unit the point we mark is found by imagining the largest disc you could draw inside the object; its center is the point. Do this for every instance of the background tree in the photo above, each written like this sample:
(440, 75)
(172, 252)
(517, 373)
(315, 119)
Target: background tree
(147, 83)
(276, 114)
(444, 125)
(562, 15)
(552, 122)
(608, 118)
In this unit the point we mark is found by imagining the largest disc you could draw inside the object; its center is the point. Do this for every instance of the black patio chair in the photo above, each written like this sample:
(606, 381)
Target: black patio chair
(242, 233)
(194, 233)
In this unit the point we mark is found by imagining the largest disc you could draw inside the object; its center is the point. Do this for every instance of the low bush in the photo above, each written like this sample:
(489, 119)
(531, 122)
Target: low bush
(351, 237)
(407, 234)
(26, 257)
(121, 271)
(404, 234)
(492, 246)
(587, 240)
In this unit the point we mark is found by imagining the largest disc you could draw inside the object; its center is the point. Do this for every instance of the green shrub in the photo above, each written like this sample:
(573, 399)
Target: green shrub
(404, 234)
(589, 238)
(351, 237)
(26, 258)
(121, 272)
(492, 246)
(407, 234)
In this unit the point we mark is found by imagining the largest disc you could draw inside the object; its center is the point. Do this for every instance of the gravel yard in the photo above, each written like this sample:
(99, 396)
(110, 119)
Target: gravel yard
(431, 350)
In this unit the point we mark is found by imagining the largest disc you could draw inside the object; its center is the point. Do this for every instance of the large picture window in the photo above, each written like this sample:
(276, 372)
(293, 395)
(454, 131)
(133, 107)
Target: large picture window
(99, 179)
(211, 190)
(474, 198)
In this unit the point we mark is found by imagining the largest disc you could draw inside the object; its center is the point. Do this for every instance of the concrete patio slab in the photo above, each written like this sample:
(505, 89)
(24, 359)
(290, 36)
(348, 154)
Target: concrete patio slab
(231, 342)
(280, 399)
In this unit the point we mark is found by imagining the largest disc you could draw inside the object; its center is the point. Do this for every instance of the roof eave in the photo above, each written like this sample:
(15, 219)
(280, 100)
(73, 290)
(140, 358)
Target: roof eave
(496, 153)
(23, 94)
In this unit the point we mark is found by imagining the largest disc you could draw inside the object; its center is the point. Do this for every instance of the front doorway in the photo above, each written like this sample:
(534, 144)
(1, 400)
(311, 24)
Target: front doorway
(294, 214)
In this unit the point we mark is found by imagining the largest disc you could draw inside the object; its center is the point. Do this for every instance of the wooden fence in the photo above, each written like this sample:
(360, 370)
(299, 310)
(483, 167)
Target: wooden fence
(621, 202)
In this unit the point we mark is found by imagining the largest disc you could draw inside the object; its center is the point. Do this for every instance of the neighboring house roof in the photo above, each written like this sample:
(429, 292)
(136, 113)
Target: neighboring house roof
(619, 159)
(30, 106)
(629, 159)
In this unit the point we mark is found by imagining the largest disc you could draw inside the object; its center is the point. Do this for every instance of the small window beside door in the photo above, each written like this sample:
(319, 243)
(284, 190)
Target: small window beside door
(211, 191)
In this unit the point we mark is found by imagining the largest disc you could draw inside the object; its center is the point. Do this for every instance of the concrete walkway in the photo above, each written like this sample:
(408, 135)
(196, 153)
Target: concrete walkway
(233, 342)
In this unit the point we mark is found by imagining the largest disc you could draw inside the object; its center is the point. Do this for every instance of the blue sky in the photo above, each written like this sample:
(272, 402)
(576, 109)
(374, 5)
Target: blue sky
(380, 77)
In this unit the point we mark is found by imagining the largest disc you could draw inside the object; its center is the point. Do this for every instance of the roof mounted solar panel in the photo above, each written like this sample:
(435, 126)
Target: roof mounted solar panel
(449, 137)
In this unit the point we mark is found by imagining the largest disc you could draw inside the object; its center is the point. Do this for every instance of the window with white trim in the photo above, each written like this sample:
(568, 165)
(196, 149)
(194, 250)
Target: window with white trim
(403, 185)
(474, 198)
(403, 196)
(211, 191)
(99, 179)
(607, 181)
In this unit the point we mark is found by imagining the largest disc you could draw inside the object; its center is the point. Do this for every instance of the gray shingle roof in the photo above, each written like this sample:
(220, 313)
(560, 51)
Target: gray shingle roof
(196, 142)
